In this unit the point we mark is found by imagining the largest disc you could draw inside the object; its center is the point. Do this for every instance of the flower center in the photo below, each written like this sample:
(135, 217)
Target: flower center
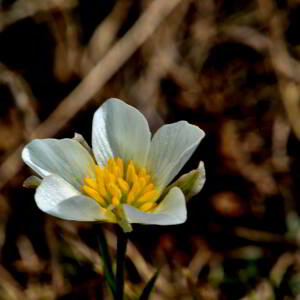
(118, 183)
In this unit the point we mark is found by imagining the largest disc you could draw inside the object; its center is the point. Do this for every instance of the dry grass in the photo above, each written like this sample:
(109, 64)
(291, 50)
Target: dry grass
(230, 67)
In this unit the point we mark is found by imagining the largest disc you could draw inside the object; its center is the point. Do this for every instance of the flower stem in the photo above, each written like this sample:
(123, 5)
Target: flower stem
(121, 253)
(108, 273)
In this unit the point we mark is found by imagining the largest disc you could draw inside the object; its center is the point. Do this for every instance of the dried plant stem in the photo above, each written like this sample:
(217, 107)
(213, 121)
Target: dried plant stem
(284, 65)
(94, 81)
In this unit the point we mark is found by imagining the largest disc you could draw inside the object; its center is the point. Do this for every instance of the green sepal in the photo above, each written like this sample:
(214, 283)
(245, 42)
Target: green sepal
(190, 183)
(32, 182)
(121, 218)
(149, 287)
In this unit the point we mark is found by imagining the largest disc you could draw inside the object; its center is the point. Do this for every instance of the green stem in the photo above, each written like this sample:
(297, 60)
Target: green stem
(108, 273)
(121, 253)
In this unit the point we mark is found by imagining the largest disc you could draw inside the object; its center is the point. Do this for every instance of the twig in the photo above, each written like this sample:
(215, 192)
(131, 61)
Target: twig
(283, 63)
(58, 282)
(263, 236)
(94, 81)
(163, 57)
(22, 9)
(238, 158)
(23, 96)
(104, 36)
(10, 284)
(281, 132)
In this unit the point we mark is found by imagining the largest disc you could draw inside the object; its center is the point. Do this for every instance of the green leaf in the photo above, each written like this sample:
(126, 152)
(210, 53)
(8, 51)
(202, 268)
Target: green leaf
(149, 286)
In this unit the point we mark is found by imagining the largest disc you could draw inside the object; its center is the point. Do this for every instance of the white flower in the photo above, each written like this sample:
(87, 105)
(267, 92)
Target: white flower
(124, 176)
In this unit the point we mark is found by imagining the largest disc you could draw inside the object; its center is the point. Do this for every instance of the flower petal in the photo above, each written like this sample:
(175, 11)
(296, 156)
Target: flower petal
(170, 149)
(57, 197)
(120, 130)
(171, 211)
(65, 157)
(81, 140)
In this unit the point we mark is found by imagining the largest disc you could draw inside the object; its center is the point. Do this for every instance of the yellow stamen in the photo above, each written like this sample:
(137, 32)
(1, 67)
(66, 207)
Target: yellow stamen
(94, 194)
(136, 189)
(124, 186)
(147, 206)
(109, 177)
(149, 196)
(118, 182)
(100, 182)
(102, 191)
(111, 164)
(91, 182)
(130, 197)
(115, 201)
(114, 190)
(100, 176)
(131, 174)
(113, 167)
(149, 187)
(143, 172)
(120, 164)
(147, 178)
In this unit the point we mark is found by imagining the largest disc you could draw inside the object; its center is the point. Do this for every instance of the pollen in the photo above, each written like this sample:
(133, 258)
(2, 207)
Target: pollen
(119, 182)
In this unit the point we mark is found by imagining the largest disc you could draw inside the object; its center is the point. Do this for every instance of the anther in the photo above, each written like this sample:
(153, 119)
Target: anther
(150, 196)
(114, 182)
(90, 182)
(123, 185)
(131, 174)
(143, 172)
(120, 164)
(115, 201)
(148, 188)
(109, 177)
(147, 206)
(94, 194)
(114, 190)
(136, 189)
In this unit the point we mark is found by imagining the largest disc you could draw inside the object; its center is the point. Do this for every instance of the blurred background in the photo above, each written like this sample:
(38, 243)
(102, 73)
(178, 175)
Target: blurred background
(230, 67)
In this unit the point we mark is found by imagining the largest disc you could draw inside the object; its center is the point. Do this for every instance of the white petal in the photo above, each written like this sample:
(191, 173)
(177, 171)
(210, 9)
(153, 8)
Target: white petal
(81, 140)
(171, 211)
(170, 149)
(120, 130)
(58, 198)
(65, 157)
